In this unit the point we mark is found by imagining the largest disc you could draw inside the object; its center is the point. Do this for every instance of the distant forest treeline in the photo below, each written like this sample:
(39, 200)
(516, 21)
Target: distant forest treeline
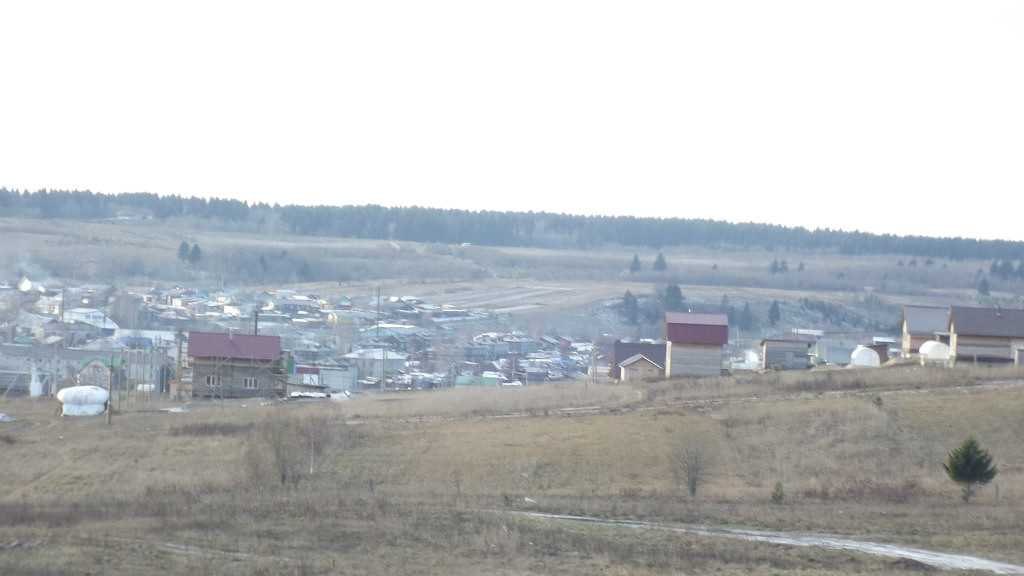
(525, 229)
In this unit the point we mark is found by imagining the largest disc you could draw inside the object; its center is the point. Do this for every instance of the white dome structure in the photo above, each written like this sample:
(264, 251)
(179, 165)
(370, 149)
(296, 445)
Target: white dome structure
(934, 351)
(864, 357)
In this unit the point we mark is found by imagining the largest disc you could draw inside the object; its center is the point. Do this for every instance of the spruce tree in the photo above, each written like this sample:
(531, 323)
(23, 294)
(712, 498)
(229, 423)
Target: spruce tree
(659, 263)
(630, 308)
(774, 314)
(970, 466)
(673, 299)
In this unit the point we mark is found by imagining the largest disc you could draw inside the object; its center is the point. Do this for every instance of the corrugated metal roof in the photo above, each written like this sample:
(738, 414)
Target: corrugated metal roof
(697, 319)
(247, 346)
(638, 357)
(996, 322)
(926, 320)
(689, 328)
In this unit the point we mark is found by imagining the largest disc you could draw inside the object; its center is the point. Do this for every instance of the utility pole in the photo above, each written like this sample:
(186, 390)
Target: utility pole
(383, 367)
(110, 391)
(593, 364)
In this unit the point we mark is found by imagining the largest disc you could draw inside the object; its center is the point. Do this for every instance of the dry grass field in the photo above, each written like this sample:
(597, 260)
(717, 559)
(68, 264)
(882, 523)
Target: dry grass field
(427, 482)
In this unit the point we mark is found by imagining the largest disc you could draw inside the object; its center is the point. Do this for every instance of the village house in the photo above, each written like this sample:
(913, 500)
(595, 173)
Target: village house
(638, 367)
(785, 354)
(985, 335)
(653, 352)
(920, 324)
(235, 365)
(372, 363)
(696, 343)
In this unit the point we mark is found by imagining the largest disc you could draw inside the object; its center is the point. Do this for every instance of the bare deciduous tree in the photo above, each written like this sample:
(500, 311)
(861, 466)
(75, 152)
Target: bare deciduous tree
(692, 463)
(314, 433)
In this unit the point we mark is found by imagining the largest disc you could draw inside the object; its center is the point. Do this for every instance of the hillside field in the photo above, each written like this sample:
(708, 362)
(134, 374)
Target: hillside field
(539, 291)
(430, 483)
(444, 482)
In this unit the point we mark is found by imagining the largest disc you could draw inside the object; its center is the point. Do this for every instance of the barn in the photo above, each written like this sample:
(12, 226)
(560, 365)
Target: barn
(695, 343)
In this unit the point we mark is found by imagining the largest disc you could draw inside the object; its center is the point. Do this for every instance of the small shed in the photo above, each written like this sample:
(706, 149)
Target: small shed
(638, 367)
(785, 354)
(622, 351)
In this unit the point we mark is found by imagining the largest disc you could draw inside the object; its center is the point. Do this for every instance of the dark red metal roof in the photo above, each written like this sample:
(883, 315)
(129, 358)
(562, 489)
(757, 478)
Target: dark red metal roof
(247, 346)
(689, 328)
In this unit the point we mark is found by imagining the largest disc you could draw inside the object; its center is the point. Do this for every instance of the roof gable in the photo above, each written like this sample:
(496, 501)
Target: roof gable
(637, 358)
(246, 346)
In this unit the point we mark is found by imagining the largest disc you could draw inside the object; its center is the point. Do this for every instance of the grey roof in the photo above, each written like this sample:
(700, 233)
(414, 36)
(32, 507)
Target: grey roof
(636, 358)
(928, 320)
(996, 322)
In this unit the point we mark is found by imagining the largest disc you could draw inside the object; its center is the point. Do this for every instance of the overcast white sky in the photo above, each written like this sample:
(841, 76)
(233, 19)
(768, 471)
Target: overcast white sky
(902, 117)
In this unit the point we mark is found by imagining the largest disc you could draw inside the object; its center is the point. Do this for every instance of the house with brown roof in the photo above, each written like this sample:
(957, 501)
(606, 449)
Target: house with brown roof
(695, 343)
(985, 335)
(920, 324)
(638, 367)
(654, 352)
(235, 365)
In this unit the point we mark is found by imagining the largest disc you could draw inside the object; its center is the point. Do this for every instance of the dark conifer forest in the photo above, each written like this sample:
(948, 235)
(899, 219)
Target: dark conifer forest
(487, 228)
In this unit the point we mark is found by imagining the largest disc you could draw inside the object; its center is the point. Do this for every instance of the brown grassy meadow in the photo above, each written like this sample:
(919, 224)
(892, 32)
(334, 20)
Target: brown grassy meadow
(422, 483)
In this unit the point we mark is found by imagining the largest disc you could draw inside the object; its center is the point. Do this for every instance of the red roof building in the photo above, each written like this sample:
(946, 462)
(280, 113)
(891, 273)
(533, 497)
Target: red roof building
(242, 346)
(235, 365)
(695, 343)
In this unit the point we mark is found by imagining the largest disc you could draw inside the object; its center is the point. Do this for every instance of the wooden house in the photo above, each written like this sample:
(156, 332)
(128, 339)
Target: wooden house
(921, 324)
(654, 352)
(985, 335)
(782, 354)
(235, 365)
(100, 371)
(695, 343)
(638, 367)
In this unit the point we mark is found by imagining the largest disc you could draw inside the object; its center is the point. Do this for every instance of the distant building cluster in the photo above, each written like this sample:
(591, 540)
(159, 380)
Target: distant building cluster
(189, 343)
(186, 343)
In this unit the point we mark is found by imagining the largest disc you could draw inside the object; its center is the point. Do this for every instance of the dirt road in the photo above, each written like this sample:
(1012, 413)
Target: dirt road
(940, 560)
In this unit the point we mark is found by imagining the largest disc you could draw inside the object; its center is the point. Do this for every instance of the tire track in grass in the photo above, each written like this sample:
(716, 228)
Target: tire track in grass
(940, 560)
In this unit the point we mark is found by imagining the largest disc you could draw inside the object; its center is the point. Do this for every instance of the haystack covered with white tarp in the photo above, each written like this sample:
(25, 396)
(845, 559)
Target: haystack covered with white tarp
(82, 400)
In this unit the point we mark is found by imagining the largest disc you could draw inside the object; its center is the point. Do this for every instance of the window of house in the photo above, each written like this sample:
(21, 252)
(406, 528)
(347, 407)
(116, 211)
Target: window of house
(251, 382)
(212, 380)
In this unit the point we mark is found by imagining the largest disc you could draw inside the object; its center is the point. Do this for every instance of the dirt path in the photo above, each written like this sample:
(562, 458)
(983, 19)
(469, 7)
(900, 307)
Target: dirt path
(940, 560)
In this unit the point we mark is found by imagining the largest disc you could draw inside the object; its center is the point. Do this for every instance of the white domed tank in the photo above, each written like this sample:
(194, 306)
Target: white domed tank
(933, 351)
(864, 357)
